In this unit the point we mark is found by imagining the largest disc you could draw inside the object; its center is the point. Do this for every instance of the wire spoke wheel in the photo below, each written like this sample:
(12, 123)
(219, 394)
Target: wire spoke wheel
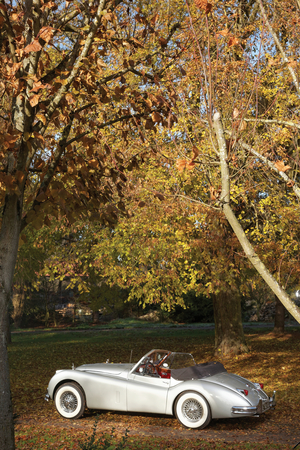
(192, 410)
(70, 401)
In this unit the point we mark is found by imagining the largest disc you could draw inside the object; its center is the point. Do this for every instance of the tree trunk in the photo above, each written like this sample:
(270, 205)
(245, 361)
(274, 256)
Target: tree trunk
(279, 317)
(9, 240)
(6, 414)
(229, 333)
(7, 330)
(18, 300)
(95, 316)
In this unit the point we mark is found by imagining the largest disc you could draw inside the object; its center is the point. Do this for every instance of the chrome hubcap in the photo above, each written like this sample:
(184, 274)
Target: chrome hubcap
(192, 410)
(68, 402)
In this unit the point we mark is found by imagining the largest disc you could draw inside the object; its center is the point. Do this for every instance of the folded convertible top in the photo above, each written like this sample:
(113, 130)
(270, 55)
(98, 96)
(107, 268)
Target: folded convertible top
(198, 371)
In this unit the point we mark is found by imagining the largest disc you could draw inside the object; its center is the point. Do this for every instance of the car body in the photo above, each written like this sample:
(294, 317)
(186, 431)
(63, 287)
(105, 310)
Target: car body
(161, 382)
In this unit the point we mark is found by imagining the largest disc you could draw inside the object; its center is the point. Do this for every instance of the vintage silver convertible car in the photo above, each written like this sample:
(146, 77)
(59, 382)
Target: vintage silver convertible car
(162, 382)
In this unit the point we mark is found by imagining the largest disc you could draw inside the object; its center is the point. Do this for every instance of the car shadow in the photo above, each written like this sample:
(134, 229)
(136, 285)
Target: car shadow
(243, 424)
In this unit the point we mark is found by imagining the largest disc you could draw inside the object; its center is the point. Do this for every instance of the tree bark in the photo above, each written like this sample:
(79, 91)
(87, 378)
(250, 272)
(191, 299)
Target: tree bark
(95, 316)
(6, 414)
(7, 330)
(18, 300)
(279, 317)
(229, 333)
(9, 239)
(238, 230)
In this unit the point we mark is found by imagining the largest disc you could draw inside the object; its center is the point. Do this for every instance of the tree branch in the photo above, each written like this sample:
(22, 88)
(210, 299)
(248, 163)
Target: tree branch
(65, 88)
(272, 166)
(284, 57)
(51, 168)
(10, 32)
(238, 230)
(279, 122)
(104, 125)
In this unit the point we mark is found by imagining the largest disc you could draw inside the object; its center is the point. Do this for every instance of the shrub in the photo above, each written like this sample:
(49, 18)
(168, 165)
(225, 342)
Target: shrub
(104, 442)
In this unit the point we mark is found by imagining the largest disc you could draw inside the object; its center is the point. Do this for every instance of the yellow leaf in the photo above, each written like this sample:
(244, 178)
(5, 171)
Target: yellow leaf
(42, 118)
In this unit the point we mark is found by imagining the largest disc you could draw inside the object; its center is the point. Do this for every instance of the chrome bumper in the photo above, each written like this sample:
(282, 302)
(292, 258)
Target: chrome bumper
(273, 400)
(47, 397)
(255, 410)
(245, 410)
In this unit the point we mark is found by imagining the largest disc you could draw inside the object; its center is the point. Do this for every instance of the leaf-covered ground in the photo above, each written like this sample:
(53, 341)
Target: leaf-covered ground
(34, 357)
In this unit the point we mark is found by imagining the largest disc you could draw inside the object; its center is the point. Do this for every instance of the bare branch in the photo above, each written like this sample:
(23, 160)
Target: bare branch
(283, 54)
(65, 88)
(279, 122)
(104, 125)
(272, 166)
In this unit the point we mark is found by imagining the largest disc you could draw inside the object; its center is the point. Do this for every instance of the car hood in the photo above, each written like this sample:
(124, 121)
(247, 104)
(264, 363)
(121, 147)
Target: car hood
(106, 368)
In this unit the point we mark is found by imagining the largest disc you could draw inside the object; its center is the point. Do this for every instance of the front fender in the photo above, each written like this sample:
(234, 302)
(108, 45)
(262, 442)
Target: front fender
(62, 376)
(101, 391)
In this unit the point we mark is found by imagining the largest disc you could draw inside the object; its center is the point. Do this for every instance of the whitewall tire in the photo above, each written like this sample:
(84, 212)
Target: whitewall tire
(192, 410)
(69, 401)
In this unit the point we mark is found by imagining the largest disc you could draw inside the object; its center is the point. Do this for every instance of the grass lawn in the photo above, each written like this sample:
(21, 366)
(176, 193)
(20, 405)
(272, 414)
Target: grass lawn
(34, 357)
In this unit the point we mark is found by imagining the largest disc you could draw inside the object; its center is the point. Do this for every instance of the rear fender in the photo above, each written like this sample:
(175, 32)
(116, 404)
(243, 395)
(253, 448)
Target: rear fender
(220, 399)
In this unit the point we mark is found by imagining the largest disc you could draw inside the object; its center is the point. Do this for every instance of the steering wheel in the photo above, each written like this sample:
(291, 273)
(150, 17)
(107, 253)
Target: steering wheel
(150, 369)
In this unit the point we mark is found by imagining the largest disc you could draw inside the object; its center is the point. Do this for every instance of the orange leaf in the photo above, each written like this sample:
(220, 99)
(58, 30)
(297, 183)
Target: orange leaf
(35, 46)
(46, 33)
(233, 41)
(154, 19)
(34, 99)
(224, 32)
(149, 125)
(281, 167)
(204, 5)
(156, 117)
(236, 112)
(190, 165)
(181, 164)
(195, 152)
(159, 196)
(214, 194)
(38, 85)
(70, 99)
(163, 42)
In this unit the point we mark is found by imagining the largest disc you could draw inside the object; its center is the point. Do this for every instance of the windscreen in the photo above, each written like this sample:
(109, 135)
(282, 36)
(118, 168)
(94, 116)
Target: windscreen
(179, 361)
